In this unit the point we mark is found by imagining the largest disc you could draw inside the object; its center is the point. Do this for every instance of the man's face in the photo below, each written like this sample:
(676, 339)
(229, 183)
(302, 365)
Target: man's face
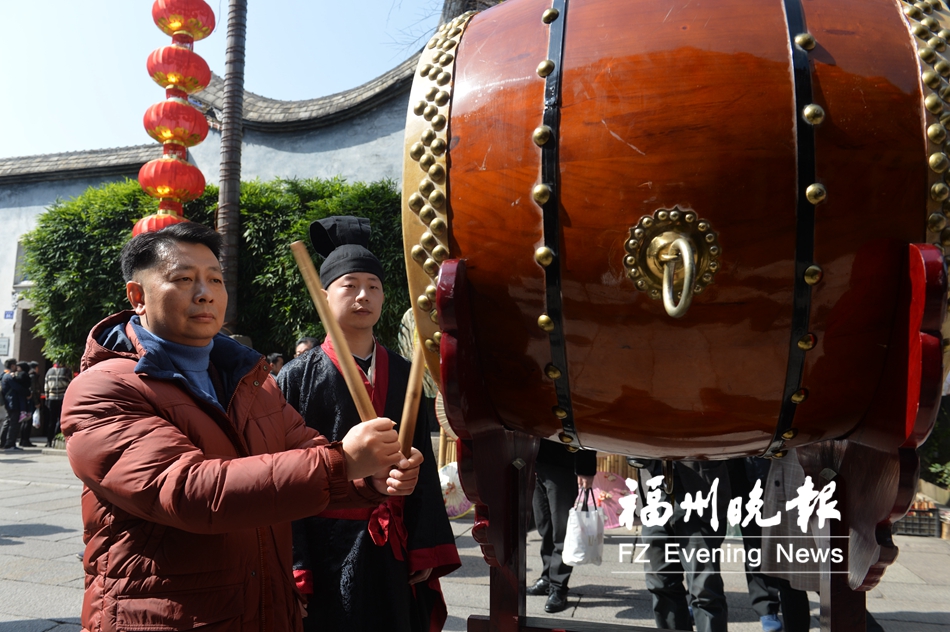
(302, 348)
(182, 298)
(356, 300)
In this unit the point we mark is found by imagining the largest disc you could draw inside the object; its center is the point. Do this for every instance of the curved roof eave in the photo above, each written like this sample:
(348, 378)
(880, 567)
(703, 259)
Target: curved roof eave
(261, 113)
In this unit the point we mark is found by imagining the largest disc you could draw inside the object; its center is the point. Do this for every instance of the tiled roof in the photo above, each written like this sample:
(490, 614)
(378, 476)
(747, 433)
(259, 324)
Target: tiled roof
(77, 164)
(266, 114)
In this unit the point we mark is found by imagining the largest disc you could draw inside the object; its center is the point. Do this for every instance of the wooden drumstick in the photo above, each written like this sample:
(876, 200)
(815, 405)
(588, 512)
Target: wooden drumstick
(351, 373)
(410, 408)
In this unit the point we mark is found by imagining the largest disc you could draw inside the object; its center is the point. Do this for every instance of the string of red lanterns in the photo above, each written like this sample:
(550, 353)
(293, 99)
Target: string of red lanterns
(174, 122)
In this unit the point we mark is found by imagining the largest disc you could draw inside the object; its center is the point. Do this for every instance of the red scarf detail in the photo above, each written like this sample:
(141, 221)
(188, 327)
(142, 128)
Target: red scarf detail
(386, 521)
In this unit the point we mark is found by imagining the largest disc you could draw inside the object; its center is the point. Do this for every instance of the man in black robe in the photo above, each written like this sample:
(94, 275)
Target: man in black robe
(365, 569)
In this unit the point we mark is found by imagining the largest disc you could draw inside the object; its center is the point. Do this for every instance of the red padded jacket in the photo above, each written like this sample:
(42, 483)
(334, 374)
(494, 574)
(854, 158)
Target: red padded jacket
(187, 505)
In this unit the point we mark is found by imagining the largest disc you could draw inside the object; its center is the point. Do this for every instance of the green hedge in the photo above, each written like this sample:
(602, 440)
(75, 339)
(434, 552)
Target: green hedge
(73, 258)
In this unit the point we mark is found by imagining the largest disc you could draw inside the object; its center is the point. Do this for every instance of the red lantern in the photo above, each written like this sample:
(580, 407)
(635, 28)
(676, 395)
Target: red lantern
(179, 67)
(176, 121)
(193, 17)
(170, 178)
(156, 222)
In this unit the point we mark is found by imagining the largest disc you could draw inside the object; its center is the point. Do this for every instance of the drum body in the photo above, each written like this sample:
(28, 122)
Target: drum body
(695, 113)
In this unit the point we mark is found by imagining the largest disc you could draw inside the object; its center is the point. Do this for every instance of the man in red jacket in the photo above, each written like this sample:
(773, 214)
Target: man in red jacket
(193, 464)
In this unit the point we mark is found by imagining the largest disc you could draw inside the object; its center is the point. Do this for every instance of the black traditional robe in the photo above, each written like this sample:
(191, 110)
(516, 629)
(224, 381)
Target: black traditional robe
(358, 565)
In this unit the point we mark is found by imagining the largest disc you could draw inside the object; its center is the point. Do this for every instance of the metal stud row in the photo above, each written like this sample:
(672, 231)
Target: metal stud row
(428, 202)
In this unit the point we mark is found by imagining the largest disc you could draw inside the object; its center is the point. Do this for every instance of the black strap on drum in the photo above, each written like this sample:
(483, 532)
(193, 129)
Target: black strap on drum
(551, 220)
(805, 225)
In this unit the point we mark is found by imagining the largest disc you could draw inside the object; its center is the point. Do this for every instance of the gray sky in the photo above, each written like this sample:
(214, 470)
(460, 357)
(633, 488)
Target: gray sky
(75, 78)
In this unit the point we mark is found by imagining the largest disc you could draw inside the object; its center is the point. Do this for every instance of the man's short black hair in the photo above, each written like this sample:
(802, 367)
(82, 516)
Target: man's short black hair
(10, 363)
(145, 250)
(272, 358)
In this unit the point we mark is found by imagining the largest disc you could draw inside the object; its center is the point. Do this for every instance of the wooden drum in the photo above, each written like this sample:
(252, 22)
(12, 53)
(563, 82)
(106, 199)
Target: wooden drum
(781, 154)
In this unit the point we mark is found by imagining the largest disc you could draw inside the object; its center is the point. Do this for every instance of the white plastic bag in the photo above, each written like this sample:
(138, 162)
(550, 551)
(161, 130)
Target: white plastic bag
(584, 541)
(36, 418)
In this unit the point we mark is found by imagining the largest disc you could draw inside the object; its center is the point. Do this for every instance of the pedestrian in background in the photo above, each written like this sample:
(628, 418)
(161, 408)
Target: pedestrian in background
(16, 393)
(9, 366)
(57, 379)
(558, 476)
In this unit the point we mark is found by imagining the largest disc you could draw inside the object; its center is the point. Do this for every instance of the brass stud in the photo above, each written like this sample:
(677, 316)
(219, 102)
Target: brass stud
(920, 31)
(454, 32)
(674, 216)
(813, 275)
(440, 253)
(930, 79)
(816, 193)
(799, 396)
(419, 108)
(541, 194)
(790, 434)
(945, 238)
(542, 135)
(429, 111)
(416, 202)
(944, 93)
(417, 151)
(426, 161)
(937, 43)
(431, 346)
(552, 372)
(441, 98)
(701, 227)
(437, 173)
(690, 218)
(545, 68)
(714, 251)
(549, 15)
(427, 137)
(710, 238)
(805, 41)
(438, 227)
(780, 454)
(641, 284)
(936, 222)
(448, 45)
(662, 215)
(945, 119)
(428, 241)
(937, 133)
(437, 199)
(564, 437)
(418, 254)
(648, 222)
(446, 59)
(427, 214)
(930, 23)
(443, 78)
(814, 114)
(939, 192)
(431, 292)
(939, 162)
(944, 33)
(544, 256)
(927, 54)
(545, 323)
(942, 67)
(438, 147)
(424, 303)
(426, 186)
(434, 316)
(807, 342)
(431, 92)
(438, 123)
(560, 413)
(433, 43)
(431, 267)
(913, 12)
(437, 337)
(630, 245)
(924, 6)
(425, 70)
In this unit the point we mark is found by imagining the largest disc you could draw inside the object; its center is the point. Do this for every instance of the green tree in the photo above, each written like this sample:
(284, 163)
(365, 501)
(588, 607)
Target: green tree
(73, 257)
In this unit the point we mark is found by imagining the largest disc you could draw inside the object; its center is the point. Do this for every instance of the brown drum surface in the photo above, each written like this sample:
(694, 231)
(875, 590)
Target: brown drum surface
(689, 109)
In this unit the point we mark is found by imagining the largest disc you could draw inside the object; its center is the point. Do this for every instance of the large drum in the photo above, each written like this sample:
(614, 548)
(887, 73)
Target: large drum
(587, 159)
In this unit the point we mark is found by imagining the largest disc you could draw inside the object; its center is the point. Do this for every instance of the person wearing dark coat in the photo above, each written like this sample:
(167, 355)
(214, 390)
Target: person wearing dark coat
(16, 394)
(369, 569)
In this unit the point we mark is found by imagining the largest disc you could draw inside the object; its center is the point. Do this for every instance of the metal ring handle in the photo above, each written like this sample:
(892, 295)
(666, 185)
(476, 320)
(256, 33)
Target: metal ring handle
(681, 246)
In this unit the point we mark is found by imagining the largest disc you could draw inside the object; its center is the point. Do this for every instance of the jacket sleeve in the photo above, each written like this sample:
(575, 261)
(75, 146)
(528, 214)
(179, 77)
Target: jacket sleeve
(131, 457)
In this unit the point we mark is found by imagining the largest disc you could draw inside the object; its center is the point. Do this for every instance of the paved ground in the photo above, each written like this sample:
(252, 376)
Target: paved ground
(41, 580)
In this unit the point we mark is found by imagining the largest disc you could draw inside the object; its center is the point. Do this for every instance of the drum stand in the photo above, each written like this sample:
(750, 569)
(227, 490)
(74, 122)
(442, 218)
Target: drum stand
(875, 468)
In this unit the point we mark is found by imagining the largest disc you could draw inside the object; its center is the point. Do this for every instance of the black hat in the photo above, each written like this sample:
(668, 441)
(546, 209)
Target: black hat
(344, 241)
